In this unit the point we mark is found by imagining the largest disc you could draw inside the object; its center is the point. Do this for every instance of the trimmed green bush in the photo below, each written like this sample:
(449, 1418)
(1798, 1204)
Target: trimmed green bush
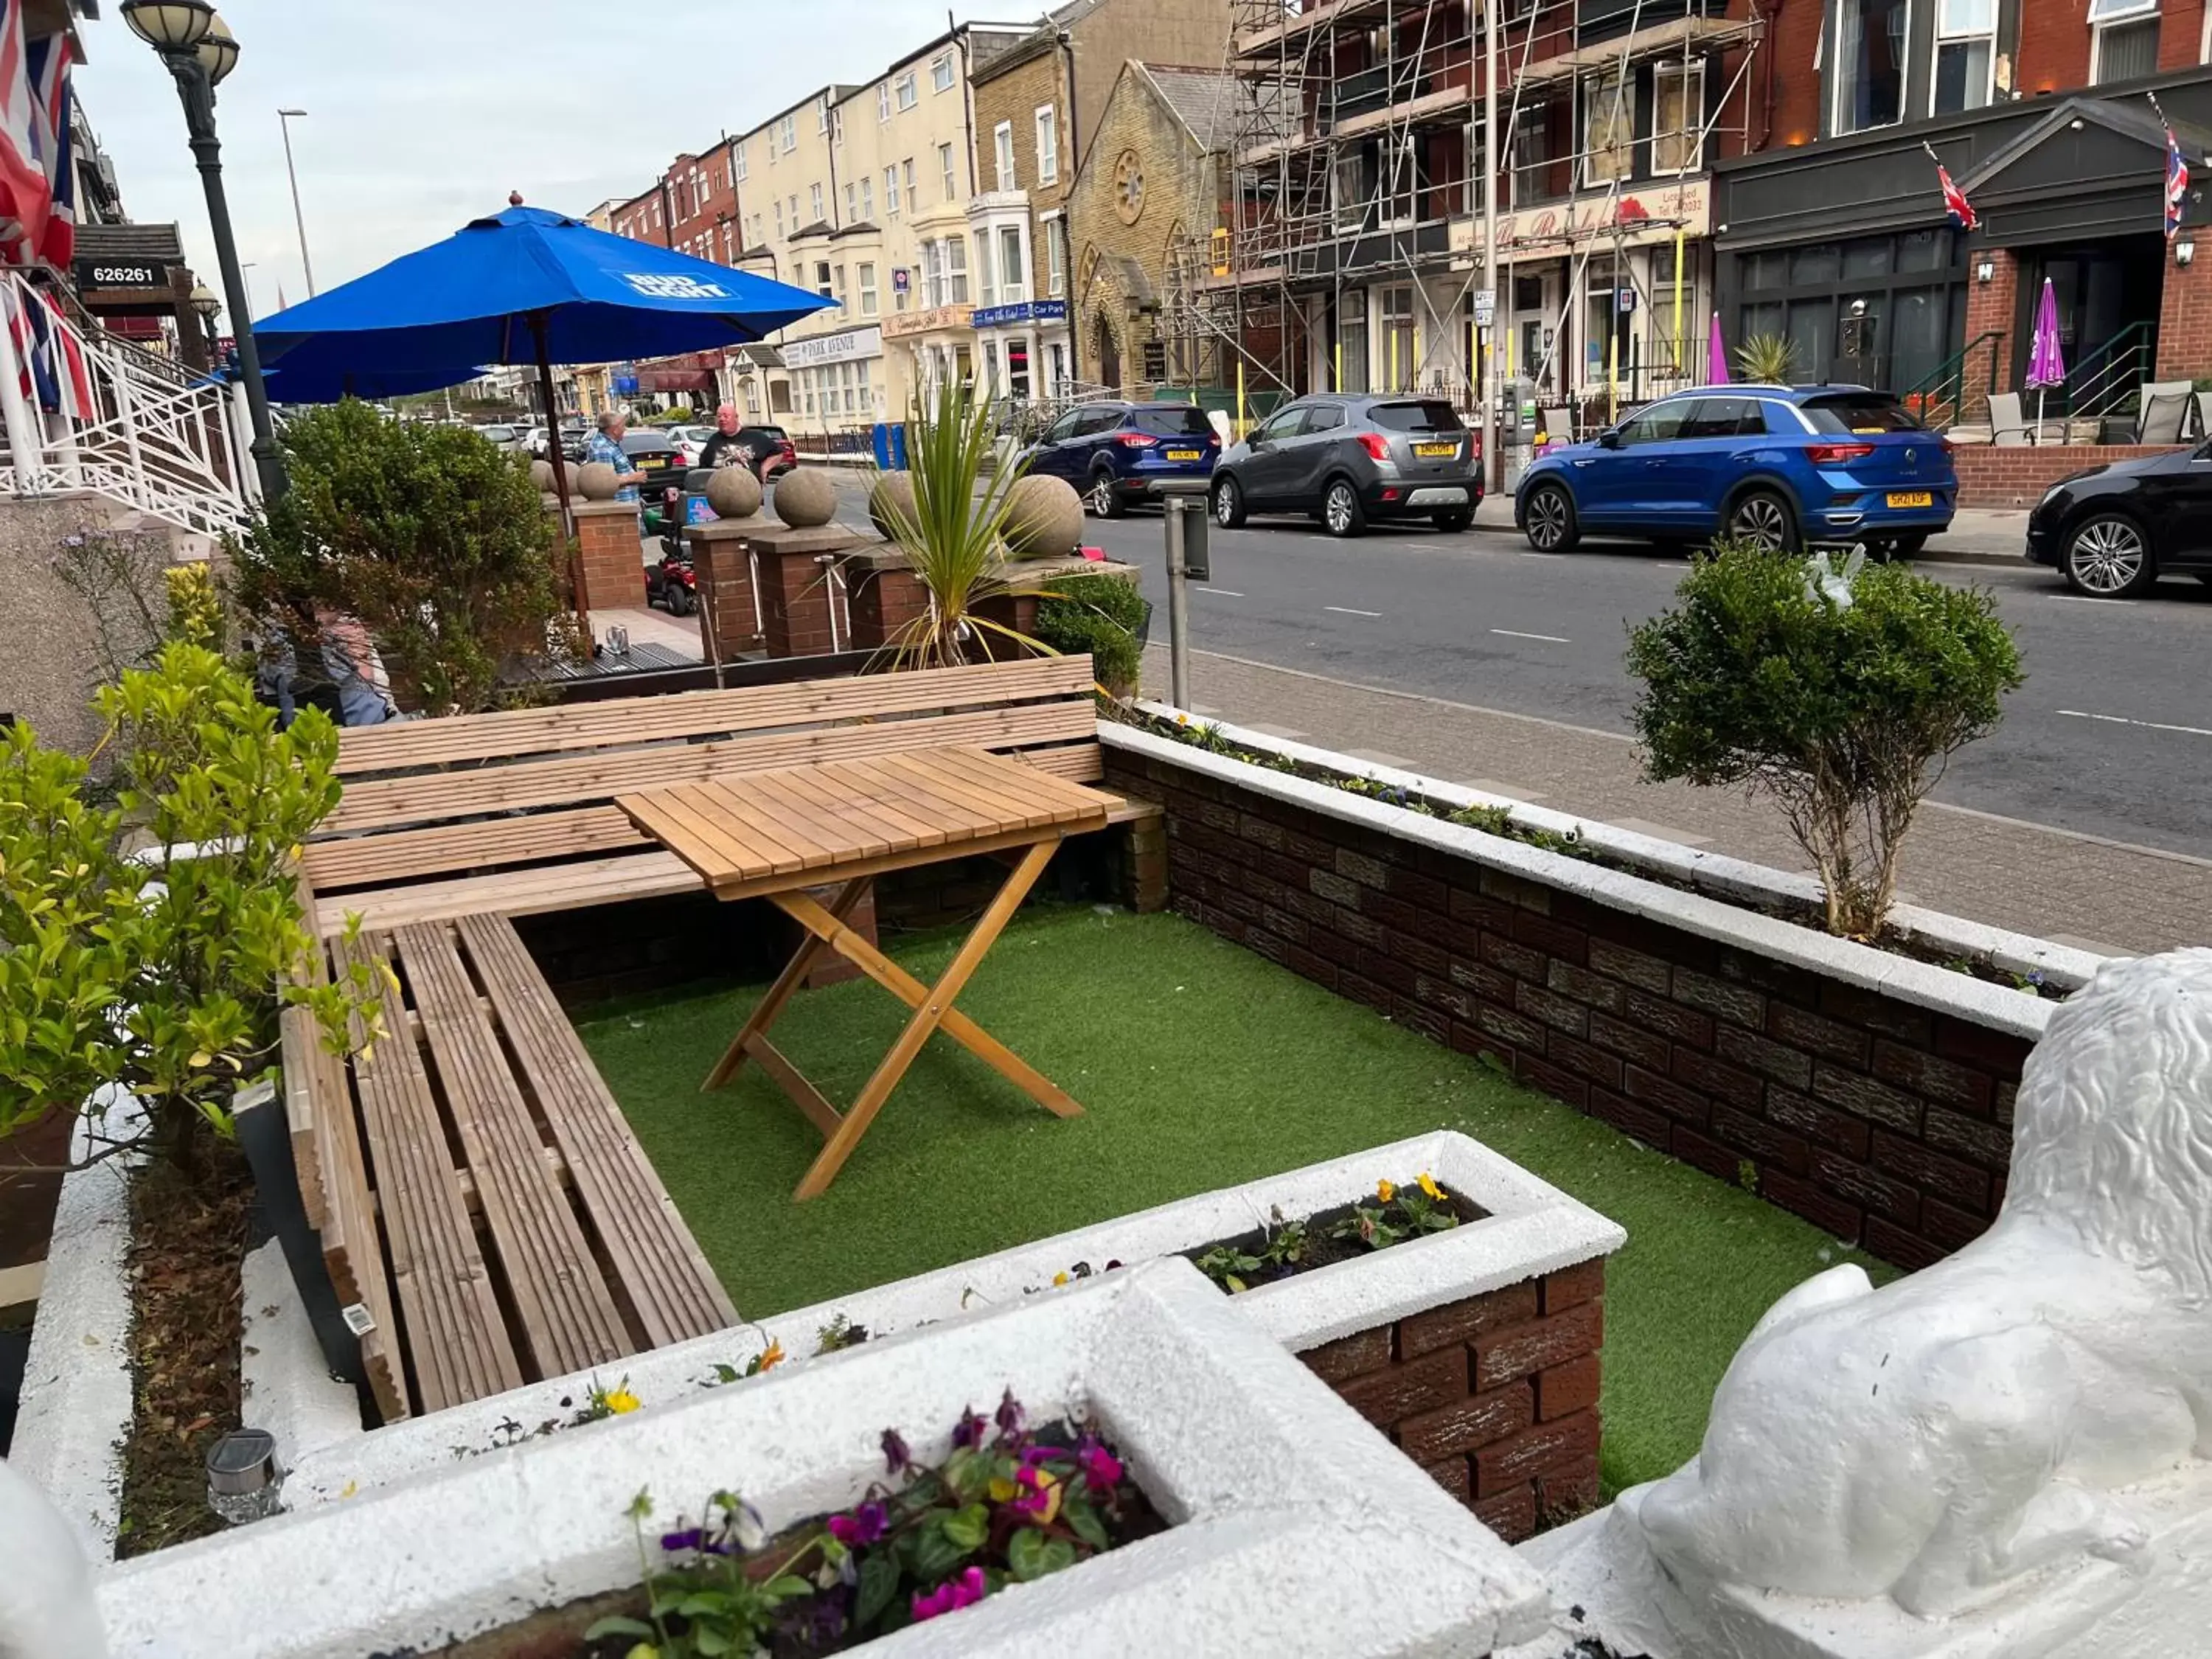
(437, 540)
(1102, 615)
(1841, 699)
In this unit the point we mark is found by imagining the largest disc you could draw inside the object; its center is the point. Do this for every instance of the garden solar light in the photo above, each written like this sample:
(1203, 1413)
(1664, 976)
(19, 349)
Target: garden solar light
(241, 1476)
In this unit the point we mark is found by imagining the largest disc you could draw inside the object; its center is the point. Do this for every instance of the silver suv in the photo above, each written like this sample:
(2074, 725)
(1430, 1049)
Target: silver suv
(1349, 458)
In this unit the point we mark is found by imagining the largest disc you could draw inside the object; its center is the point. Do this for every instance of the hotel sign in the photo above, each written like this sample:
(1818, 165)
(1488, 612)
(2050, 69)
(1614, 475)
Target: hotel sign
(932, 321)
(849, 346)
(1643, 214)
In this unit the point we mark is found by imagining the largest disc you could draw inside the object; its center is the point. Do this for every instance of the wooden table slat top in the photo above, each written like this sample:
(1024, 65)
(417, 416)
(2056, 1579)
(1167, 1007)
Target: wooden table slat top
(754, 829)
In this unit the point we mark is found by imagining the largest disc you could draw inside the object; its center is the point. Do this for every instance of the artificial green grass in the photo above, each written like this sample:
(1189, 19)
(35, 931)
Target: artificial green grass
(1199, 1065)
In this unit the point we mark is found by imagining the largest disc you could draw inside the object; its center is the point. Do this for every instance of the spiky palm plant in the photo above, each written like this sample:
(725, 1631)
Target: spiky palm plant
(1767, 358)
(954, 534)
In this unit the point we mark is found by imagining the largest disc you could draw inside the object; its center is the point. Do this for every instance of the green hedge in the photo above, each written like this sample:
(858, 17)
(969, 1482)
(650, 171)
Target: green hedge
(1102, 615)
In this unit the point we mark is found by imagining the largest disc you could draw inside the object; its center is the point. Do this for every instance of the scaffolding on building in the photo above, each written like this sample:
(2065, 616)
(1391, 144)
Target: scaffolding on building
(1328, 186)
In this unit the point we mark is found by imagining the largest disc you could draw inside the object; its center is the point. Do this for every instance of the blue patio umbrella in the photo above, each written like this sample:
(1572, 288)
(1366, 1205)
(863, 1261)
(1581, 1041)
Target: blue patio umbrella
(307, 385)
(523, 287)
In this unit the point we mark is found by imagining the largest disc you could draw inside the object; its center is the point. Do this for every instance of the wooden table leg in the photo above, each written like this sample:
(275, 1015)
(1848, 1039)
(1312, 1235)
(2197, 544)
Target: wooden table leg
(926, 1018)
(766, 1010)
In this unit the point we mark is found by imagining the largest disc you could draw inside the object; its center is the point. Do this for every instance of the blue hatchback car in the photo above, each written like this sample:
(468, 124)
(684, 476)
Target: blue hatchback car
(1780, 465)
(1118, 454)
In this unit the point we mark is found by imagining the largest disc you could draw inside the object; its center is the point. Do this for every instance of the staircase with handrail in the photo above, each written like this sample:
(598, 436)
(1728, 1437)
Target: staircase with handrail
(135, 427)
(1961, 386)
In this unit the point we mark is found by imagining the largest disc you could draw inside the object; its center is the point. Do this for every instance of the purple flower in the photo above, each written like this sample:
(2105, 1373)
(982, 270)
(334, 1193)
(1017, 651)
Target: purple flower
(968, 1431)
(692, 1538)
(1041, 1495)
(863, 1526)
(896, 1457)
(951, 1596)
(1009, 1415)
(1032, 1455)
(1101, 1470)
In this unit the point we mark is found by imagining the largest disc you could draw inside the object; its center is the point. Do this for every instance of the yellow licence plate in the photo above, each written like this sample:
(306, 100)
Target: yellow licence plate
(1438, 451)
(1911, 498)
(1183, 454)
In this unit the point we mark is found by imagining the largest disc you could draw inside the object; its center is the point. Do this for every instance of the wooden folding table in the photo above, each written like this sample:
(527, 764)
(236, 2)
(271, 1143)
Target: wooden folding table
(773, 835)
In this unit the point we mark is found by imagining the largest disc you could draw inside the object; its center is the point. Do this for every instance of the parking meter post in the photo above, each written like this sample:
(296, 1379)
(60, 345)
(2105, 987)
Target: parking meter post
(1178, 604)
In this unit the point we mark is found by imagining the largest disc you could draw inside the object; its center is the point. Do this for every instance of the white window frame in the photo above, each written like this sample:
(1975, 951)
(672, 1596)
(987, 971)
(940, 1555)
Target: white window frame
(883, 104)
(2117, 13)
(738, 169)
(1965, 37)
(814, 201)
(868, 200)
(891, 192)
(941, 78)
(1048, 144)
(1608, 96)
(1835, 51)
(906, 180)
(952, 176)
(956, 270)
(1002, 154)
(1055, 257)
(1013, 286)
(867, 278)
(790, 132)
(909, 91)
(822, 118)
(852, 202)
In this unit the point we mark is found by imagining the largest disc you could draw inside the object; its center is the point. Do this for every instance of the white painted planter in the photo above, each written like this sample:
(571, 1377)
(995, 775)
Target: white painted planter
(1531, 1229)
(1297, 1527)
(1714, 909)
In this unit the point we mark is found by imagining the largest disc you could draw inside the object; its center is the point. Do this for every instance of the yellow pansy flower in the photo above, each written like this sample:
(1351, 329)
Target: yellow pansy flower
(1429, 1186)
(1385, 1191)
(620, 1400)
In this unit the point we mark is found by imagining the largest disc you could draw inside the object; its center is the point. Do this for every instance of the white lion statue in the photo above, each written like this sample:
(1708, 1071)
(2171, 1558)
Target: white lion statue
(1933, 1439)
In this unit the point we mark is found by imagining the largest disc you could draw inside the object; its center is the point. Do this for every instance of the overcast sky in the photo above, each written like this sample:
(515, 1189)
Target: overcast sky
(423, 114)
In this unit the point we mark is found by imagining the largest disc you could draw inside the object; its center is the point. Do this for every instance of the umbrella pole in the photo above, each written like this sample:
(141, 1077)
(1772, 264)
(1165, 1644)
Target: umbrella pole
(560, 461)
(2040, 394)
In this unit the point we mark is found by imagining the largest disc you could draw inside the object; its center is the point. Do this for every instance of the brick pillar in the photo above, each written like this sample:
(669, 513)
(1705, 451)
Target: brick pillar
(729, 616)
(887, 596)
(2185, 316)
(612, 560)
(795, 586)
(1991, 306)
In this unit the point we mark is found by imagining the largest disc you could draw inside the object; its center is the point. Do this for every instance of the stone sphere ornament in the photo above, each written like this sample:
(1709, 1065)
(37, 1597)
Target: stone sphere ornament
(891, 490)
(541, 474)
(595, 480)
(805, 497)
(1044, 517)
(733, 492)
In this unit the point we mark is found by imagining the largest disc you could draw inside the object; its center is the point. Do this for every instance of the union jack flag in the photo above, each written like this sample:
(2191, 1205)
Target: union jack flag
(25, 191)
(47, 68)
(1963, 217)
(2177, 185)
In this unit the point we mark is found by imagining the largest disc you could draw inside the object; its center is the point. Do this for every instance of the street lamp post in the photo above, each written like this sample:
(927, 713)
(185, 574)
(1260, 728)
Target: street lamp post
(199, 51)
(284, 119)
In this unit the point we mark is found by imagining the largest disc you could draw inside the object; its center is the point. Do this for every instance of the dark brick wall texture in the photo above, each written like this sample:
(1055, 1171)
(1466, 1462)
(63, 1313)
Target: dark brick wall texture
(1496, 1396)
(1884, 1124)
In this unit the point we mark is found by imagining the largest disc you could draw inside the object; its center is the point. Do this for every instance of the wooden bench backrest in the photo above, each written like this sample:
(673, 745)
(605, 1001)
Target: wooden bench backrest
(480, 792)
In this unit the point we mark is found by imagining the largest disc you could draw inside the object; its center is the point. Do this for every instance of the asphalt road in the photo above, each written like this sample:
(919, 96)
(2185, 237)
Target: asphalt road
(2112, 735)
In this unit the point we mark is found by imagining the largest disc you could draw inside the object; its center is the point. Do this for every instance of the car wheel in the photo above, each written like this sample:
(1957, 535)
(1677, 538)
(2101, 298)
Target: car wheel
(1454, 520)
(1548, 519)
(2108, 556)
(1228, 504)
(1105, 501)
(1340, 512)
(1765, 519)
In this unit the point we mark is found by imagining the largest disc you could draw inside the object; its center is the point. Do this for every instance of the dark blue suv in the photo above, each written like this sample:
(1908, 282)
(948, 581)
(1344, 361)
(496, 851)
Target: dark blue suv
(1117, 453)
(1780, 465)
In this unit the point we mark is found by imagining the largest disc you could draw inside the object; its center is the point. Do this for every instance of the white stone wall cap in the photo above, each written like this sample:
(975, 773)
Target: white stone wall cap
(1924, 984)
(1531, 1228)
(1297, 1528)
(76, 1396)
(285, 1385)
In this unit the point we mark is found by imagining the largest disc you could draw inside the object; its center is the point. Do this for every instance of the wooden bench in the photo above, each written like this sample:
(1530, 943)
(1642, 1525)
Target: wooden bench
(513, 813)
(484, 1212)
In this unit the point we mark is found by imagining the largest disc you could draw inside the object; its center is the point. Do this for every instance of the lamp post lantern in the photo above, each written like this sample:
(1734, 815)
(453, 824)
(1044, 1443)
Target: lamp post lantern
(204, 302)
(284, 119)
(198, 51)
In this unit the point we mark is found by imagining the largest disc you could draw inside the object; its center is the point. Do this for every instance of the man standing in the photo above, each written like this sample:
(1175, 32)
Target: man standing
(606, 446)
(723, 449)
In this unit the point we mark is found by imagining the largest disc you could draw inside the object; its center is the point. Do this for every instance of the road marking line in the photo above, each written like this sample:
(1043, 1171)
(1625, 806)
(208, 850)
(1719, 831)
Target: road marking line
(1225, 592)
(1515, 634)
(2147, 726)
(1347, 611)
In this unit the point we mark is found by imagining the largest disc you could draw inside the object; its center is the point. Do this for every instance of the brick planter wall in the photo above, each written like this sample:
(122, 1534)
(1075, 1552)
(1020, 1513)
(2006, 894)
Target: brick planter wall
(1495, 1396)
(610, 555)
(2017, 476)
(1881, 1121)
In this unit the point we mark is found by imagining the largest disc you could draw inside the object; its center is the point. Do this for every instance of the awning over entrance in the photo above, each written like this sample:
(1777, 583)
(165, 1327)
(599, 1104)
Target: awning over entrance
(2092, 167)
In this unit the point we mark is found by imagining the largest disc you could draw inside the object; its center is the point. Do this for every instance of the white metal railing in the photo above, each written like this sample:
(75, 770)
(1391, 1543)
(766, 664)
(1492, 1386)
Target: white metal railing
(116, 421)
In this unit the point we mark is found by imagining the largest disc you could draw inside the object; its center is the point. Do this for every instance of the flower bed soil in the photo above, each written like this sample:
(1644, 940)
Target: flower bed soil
(188, 1251)
(1321, 1250)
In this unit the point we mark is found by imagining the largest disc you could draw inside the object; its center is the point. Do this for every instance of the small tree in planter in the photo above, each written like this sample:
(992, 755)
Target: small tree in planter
(163, 974)
(435, 540)
(1102, 615)
(1841, 699)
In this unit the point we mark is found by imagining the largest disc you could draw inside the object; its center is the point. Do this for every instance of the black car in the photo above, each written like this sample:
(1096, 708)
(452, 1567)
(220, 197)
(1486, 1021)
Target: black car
(2114, 531)
(1352, 457)
(654, 455)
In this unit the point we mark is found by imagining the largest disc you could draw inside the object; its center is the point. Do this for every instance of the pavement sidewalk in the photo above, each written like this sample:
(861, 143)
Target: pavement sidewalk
(1977, 536)
(2076, 889)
